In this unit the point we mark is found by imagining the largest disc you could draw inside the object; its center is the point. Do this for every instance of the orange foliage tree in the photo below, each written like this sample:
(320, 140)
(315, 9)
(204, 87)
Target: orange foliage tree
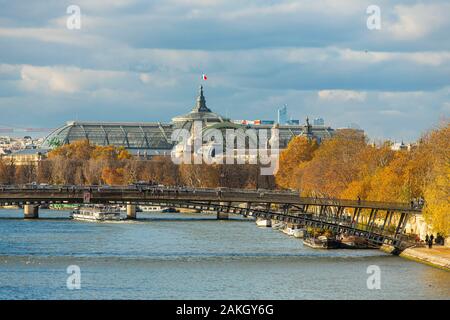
(345, 166)
(83, 163)
(299, 151)
(333, 166)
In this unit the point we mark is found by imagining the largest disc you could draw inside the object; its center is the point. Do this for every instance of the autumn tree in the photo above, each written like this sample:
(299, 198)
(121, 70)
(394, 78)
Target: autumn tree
(44, 171)
(300, 150)
(83, 163)
(7, 172)
(436, 179)
(333, 166)
(77, 150)
(25, 174)
(370, 160)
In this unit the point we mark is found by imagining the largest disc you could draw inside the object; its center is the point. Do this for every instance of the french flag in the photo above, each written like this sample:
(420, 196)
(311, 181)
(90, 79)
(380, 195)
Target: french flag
(204, 77)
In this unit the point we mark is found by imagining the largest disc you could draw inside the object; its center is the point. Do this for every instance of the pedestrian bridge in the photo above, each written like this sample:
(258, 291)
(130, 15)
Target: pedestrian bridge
(378, 222)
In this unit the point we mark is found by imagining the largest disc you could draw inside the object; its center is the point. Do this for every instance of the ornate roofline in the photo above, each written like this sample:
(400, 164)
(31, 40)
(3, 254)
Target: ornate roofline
(200, 106)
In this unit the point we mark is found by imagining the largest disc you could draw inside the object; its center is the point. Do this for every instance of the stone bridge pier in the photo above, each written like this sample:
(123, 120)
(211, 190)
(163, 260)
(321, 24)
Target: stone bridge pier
(131, 211)
(31, 211)
(223, 212)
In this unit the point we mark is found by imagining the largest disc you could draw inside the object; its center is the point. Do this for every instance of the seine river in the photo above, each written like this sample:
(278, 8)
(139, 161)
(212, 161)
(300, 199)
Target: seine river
(185, 256)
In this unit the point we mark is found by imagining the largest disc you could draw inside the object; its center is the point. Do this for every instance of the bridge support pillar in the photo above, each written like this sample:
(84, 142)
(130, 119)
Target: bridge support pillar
(131, 211)
(30, 211)
(222, 215)
(222, 212)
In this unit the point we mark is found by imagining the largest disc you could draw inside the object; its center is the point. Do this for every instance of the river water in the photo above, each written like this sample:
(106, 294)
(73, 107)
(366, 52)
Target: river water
(187, 256)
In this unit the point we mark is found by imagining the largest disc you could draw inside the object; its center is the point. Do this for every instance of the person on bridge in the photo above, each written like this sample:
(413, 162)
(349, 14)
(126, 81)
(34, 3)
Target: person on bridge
(430, 242)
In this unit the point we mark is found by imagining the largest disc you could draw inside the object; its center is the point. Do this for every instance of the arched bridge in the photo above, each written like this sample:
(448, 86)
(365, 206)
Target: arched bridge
(378, 222)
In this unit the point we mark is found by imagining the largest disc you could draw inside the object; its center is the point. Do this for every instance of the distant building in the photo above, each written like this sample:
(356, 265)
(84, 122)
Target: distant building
(397, 146)
(254, 122)
(10, 146)
(282, 115)
(154, 138)
(25, 156)
(318, 122)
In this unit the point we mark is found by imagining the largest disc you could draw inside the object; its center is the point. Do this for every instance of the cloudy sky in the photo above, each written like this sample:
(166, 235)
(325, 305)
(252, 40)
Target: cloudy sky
(143, 60)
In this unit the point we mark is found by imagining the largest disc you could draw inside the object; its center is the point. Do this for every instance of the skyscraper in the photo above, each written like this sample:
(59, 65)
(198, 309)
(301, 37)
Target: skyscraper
(282, 115)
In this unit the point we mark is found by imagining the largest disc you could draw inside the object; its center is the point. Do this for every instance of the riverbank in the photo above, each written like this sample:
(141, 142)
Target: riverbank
(438, 256)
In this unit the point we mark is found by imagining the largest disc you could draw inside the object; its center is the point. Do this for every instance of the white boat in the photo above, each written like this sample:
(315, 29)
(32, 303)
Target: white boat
(97, 214)
(263, 222)
(299, 233)
(278, 225)
(157, 209)
(290, 231)
(294, 232)
(150, 208)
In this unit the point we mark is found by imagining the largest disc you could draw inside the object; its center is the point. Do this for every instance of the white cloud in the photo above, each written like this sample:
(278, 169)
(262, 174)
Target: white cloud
(419, 20)
(41, 78)
(391, 112)
(295, 7)
(446, 108)
(398, 95)
(60, 35)
(67, 79)
(431, 58)
(70, 80)
(258, 55)
(158, 80)
(103, 5)
(342, 95)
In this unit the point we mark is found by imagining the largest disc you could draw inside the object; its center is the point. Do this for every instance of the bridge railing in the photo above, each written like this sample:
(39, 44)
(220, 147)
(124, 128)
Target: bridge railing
(262, 194)
(360, 204)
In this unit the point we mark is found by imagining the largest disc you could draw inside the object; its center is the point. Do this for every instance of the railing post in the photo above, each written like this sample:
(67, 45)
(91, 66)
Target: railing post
(374, 219)
(386, 221)
(339, 212)
(357, 217)
(370, 219)
(401, 227)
